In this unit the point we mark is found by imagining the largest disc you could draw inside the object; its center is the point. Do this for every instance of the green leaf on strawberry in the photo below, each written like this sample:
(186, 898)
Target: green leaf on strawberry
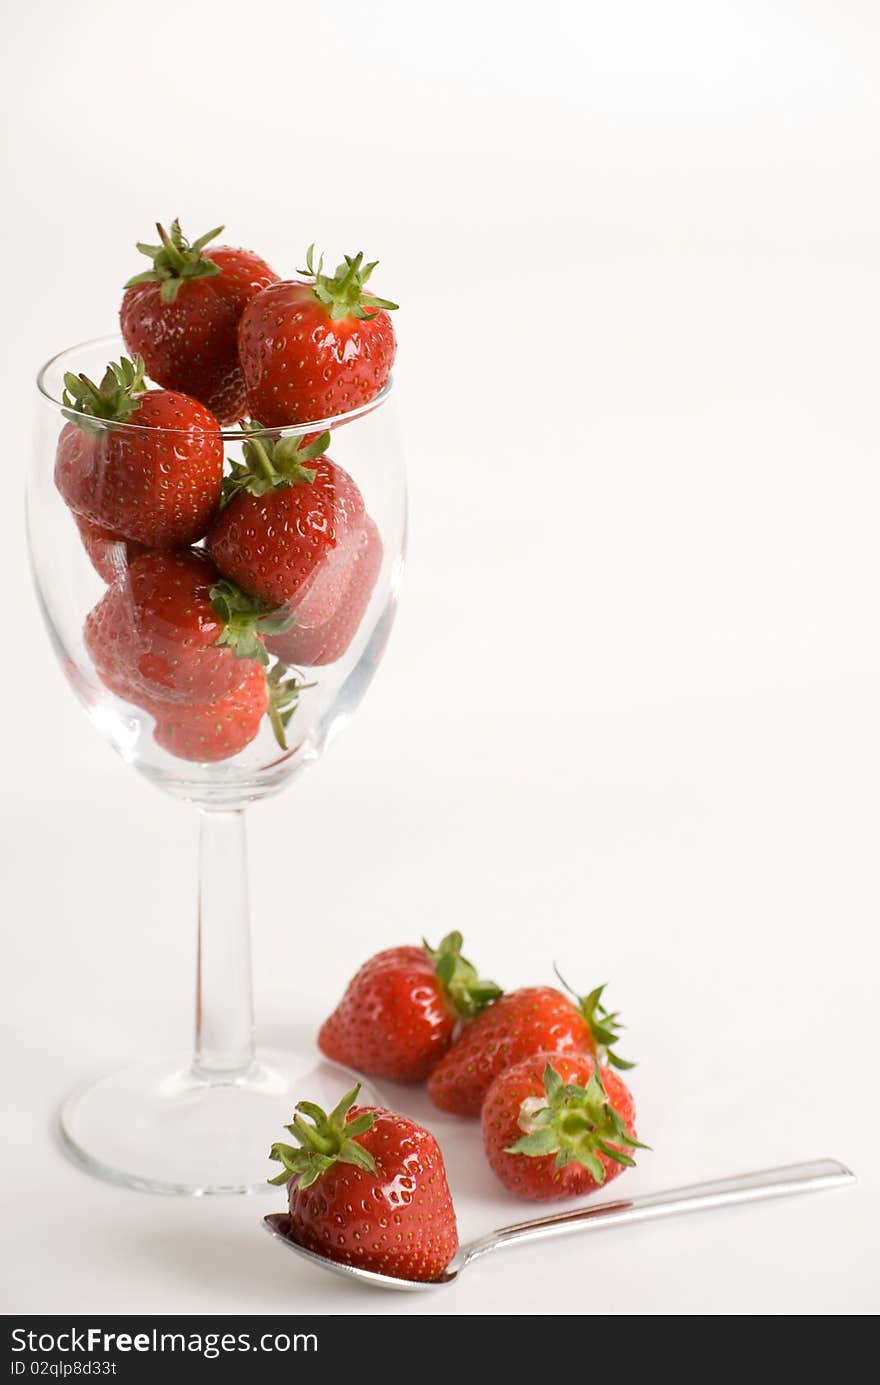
(246, 620)
(465, 992)
(175, 260)
(575, 1123)
(327, 1140)
(115, 399)
(284, 686)
(343, 292)
(272, 462)
(605, 1025)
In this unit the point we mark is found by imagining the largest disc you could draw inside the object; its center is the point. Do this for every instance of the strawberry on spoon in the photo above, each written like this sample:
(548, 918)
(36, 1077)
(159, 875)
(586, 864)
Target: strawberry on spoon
(182, 316)
(316, 347)
(367, 1187)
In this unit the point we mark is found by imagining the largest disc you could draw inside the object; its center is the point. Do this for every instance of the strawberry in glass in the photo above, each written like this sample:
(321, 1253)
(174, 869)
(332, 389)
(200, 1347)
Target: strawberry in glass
(211, 731)
(316, 347)
(317, 638)
(157, 482)
(290, 525)
(170, 630)
(108, 553)
(182, 316)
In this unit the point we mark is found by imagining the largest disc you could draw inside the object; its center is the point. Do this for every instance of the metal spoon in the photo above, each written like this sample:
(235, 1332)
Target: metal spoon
(746, 1187)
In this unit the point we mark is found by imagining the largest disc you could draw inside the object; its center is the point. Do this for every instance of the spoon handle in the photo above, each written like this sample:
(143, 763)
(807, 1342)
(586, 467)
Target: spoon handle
(745, 1187)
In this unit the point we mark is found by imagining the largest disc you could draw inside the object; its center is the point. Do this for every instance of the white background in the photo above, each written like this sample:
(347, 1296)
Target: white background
(628, 718)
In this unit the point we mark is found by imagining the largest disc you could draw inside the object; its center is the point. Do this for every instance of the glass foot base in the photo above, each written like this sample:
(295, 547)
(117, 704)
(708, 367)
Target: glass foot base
(163, 1128)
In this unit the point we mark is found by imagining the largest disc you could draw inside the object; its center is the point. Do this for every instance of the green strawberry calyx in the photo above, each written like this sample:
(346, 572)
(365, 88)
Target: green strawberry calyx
(246, 620)
(284, 686)
(272, 462)
(175, 260)
(465, 992)
(114, 400)
(604, 1025)
(577, 1124)
(342, 293)
(324, 1141)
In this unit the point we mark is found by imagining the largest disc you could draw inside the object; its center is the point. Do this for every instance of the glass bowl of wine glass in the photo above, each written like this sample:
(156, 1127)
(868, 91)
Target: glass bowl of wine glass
(187, 661)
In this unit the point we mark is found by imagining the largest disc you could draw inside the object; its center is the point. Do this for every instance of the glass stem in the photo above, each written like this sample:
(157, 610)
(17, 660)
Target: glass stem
(224, 1045)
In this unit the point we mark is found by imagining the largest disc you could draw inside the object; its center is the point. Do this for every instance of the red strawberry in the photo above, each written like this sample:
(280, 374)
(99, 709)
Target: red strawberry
(313, 642)
(368, 1187)
(211, 731)
(310, 350)
(537, 1019)
(108, 553)
(284, 521)
(557, 1126)
(400, 1010)
(157, 482)
(169, 630)
(182, 316)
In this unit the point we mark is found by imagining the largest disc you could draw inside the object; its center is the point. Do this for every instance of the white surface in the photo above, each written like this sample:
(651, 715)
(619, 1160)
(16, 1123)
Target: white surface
(629, 716)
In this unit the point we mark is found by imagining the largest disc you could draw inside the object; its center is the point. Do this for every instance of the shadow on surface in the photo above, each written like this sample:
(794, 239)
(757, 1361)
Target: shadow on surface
(220, 1259)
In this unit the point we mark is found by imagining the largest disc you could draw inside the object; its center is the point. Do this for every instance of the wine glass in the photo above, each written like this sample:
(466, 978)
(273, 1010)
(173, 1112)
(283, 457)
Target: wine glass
(198, 1123)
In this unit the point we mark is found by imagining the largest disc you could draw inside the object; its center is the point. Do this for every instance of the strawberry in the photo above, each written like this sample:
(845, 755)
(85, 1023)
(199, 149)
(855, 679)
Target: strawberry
(558, 1126)
(536, 1019)
(182, 316)
(368, 1187)
(158, 482)
(323, 642)
(310, 350)
(284, 523)
(400, 1010)
(108, 553)
(170, 630)
(211, 731)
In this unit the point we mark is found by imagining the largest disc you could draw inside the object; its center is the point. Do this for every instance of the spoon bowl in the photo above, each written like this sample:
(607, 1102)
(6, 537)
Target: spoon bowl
(278, 1225)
